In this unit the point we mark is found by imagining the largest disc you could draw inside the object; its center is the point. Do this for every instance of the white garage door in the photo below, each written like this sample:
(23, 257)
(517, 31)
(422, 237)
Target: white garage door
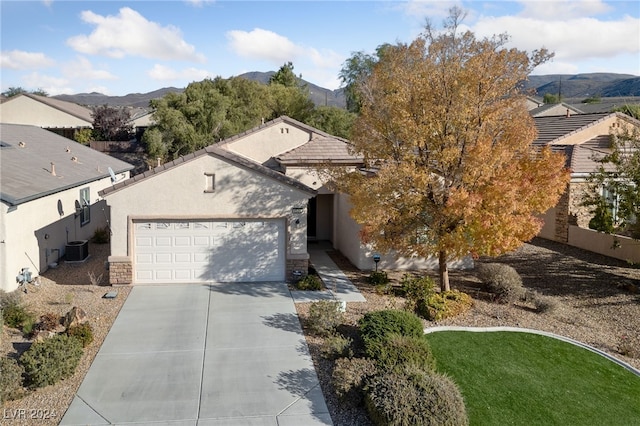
(213, 250)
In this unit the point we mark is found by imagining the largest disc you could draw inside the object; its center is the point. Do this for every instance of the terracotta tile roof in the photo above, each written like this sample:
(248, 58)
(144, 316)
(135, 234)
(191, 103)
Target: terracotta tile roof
(27, 153)
(216, 151)
(319, 150)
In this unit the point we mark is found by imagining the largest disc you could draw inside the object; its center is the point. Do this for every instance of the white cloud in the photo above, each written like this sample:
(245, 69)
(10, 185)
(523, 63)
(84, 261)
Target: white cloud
(21, 60)
(571, 40)
(130, 33)
(82, 69)
(51, 85)
(164, 73)
(563, 9)
(265, 45)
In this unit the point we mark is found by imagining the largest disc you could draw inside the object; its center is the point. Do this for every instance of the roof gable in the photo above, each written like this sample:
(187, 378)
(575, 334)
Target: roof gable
(217, 152)
(27, 154)
(321, 149)
(70, 108)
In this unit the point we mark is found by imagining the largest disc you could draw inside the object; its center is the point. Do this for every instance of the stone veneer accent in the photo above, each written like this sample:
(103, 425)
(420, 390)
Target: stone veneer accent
(570, 211)
(297, 265)
(580, 214)
(120, 270)
(562, 218)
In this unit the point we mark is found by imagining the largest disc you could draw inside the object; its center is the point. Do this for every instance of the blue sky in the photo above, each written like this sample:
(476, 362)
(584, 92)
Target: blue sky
(116, 48)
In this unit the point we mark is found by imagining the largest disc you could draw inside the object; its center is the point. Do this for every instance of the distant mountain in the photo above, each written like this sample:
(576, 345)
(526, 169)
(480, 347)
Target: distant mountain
(579, 86)
(585, 85)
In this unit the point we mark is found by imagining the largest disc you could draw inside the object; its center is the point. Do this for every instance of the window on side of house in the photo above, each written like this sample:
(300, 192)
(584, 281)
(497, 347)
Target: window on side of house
(210, 182)
(85, 206)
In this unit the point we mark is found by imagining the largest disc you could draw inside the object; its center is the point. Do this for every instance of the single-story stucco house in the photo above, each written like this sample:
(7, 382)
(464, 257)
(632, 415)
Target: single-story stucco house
(49, 198)
(584, 139)
(244, 209)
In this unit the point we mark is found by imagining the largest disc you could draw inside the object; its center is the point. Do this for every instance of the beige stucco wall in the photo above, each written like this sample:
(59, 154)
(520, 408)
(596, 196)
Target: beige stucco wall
(34, 234)
(585, 134)
(179, 193)
(24, 110)
(348, 242)
(269, 142)
(627, 249)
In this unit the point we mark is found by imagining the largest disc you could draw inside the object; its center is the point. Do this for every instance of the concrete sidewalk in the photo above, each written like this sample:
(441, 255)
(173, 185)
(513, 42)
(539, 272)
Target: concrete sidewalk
(339, 287)
(220, 354)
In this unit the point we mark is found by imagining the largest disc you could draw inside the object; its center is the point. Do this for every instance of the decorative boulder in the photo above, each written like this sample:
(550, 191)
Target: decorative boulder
(41, 335)
(74, 317)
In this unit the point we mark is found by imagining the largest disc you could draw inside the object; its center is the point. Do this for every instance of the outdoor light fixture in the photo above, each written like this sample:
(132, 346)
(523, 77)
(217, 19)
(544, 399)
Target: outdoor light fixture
(376, 258)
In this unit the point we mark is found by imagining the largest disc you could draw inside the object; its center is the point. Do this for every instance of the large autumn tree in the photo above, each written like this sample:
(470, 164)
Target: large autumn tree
(447, 141)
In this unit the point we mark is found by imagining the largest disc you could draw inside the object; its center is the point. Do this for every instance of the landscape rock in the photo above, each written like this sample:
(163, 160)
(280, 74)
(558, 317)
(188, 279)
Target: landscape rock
(41, 335)
(74, 317)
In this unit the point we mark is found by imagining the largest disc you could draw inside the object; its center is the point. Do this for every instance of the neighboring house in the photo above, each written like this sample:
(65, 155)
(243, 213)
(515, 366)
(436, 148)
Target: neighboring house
(547, 110)
(49, 197)
(46, 112)
(583, 138)
(244, 209)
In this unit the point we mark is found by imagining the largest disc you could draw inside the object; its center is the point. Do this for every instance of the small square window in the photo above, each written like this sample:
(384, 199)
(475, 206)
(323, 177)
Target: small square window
(210, 182)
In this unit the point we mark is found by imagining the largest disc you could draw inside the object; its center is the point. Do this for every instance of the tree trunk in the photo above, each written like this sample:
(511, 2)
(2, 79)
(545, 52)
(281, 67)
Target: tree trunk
(443, 271)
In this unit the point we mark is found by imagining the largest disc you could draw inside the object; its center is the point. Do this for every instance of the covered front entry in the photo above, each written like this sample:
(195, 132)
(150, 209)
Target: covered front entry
(222, 250)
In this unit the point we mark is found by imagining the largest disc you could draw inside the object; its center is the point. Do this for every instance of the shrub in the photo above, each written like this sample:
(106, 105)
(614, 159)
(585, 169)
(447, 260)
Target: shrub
(397, 351)
(102, 235)
(82, 332)
(377, 278)
(411, 396)
(51, 360)
(350, 376)
(310, 282)
(10, 379)
(324, 317)
(336, 346)
(376, 326)
(13, 298)
(544, 304)
(415, 289)
(48, 322)
(17, 316)
(443, 305)
(501, 280)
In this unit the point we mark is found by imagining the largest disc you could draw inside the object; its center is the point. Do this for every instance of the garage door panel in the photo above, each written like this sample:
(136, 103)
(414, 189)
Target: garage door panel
(219, 250)
(165, 241)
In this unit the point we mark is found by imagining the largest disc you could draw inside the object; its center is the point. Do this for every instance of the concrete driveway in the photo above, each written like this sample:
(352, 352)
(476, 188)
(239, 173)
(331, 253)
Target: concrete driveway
(220, 354)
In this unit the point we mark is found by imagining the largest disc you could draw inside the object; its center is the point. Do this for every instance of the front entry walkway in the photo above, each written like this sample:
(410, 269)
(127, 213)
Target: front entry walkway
(220, 354)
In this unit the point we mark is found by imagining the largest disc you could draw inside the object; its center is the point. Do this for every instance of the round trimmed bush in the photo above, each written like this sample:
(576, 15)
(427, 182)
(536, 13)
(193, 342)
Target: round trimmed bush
(376, 326)
(83, 332)
(10, 379)
(445, 304)
(501, 280)
(310, 282)
(350, 376)
(324, 317)
(412, 396)
(47, 362)
(397, 351)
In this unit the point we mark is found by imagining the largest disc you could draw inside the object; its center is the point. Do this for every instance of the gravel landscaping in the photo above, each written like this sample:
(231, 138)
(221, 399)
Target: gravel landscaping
(598, 304)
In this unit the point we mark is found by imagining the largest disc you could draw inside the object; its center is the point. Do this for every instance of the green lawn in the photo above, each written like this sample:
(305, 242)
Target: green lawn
(512, 378)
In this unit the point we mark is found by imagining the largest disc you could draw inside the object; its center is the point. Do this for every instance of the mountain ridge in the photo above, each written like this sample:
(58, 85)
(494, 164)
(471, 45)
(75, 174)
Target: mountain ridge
(583, 85)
